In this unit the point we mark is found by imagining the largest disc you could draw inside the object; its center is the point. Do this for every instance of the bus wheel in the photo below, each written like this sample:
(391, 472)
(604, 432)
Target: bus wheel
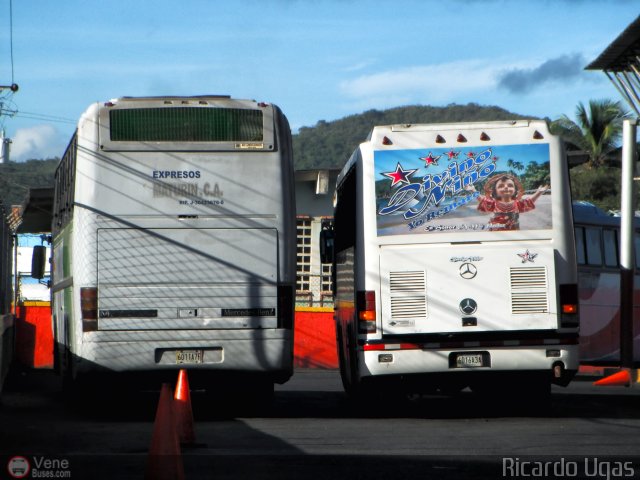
(69, 383)
(342, 362)
(351, 378)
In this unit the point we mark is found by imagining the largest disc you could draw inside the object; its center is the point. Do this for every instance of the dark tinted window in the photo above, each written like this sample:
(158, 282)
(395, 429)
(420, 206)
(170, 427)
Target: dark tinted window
(581, 255)
(593, 245)
(186, 124)
(610, 248)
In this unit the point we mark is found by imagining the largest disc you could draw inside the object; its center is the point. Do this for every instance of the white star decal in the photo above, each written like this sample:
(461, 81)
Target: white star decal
(527, 256)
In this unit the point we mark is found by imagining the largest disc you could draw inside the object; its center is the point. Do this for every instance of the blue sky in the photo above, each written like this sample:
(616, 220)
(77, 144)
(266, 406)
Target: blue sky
(316, 59)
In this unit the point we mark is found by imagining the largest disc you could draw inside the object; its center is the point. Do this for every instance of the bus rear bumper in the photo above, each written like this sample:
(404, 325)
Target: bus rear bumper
(559, 361)
(252, 351)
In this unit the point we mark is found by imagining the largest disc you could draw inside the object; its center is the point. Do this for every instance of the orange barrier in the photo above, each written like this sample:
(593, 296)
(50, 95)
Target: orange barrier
(618, 379)
(34, 334)
(183, 410)
(165, 458)
(315, 339)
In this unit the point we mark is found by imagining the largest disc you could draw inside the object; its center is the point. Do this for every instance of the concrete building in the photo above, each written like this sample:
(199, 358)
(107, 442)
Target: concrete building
(314, 203)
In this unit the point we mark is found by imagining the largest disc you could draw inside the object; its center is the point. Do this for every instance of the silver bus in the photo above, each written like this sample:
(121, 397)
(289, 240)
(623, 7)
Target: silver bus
(174, 241)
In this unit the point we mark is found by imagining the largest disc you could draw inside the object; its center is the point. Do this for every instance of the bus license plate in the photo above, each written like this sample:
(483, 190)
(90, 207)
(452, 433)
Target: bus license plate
(466, 360)
(189, 356)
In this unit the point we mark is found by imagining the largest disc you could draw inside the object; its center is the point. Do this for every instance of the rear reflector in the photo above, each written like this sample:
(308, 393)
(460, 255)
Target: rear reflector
(375, 347)
(89, 308)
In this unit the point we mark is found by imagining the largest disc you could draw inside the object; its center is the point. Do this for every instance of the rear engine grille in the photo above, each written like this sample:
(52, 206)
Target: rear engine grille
(408, 294)
(529, 290)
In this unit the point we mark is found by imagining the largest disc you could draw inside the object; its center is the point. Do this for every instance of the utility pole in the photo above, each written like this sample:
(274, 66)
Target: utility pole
(5, 143)
(5, 148)
(621, 64)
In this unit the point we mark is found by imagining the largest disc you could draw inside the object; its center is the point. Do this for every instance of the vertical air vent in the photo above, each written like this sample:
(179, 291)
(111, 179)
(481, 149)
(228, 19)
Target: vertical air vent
(408, 295)
(529, 290)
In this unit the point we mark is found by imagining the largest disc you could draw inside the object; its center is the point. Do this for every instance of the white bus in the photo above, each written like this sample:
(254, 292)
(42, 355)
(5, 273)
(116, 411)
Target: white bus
(597, 251)
(455, 260)
(174, 241)
(7, 326)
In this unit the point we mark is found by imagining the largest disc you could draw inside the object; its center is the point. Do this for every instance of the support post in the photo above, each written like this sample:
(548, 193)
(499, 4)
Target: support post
(627, 261)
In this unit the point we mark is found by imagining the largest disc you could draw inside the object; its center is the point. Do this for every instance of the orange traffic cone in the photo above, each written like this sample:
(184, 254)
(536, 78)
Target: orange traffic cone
(165, 459)
(184, 412)
(618, 379)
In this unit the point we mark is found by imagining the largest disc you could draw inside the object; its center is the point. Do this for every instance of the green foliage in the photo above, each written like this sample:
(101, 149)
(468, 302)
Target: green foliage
(599, 186)
(17, 178)
(330, 144)
(596, 131)
(536, 175)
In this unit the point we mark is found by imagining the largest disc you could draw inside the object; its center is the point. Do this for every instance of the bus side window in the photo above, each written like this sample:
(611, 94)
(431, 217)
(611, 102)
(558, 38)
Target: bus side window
(610, 248)
(580, 253)
(593, 246)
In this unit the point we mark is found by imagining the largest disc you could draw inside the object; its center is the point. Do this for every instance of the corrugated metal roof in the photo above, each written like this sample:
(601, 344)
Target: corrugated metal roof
(622, 52)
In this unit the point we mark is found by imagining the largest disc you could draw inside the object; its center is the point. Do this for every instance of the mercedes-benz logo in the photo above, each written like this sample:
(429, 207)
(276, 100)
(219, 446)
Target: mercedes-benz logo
(468, 270)
(468, 306)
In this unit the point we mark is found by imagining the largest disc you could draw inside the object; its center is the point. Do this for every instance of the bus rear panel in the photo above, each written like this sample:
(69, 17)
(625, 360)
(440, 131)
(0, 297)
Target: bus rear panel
(174, 239)
(461, 264)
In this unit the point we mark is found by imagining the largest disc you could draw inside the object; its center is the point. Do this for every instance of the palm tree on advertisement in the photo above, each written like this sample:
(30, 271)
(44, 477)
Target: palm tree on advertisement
(514, 165)
(596, 131)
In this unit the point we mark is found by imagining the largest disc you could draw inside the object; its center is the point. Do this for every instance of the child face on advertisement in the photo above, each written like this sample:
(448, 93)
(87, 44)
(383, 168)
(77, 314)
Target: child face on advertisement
(505, 189)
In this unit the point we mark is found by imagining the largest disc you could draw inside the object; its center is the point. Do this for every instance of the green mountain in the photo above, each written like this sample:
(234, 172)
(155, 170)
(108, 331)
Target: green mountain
(17, 178)
(329, 144)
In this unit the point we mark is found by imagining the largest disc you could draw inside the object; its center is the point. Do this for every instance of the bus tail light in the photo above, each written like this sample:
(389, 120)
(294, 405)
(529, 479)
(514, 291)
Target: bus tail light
(366, 305)
(285, 306)
(569, 306)
(89, 308)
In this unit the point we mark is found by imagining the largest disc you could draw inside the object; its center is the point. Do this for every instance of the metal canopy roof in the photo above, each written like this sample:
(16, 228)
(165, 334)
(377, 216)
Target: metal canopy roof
(37, 212)
(620, 61)
(623, 51)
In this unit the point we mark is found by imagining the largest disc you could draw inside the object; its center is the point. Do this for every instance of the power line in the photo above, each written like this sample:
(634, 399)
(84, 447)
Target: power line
(43, 116)
(11, 40)
(13, 88)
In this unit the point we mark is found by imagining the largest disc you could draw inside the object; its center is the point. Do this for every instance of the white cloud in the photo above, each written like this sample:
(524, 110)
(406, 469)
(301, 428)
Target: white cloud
(430, 83)
(39, 142)
(358, 66)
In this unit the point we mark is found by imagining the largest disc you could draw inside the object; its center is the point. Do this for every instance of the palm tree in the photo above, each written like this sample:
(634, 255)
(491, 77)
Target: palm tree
(515, 165)
(596, 132)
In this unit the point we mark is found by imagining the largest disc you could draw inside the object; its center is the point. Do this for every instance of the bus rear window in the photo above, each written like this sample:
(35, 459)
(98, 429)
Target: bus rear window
(186, 124)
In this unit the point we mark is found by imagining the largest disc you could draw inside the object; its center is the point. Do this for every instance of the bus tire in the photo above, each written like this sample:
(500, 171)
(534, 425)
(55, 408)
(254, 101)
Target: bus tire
(342, 360)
